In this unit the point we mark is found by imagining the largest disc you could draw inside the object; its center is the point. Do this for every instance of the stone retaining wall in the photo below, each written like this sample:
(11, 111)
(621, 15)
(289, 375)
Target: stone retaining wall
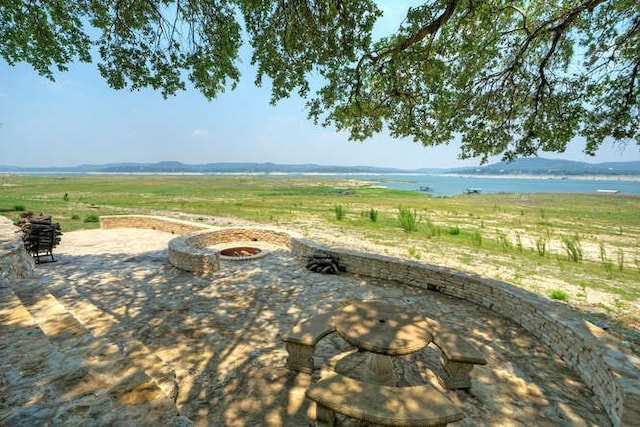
(603, 362)
(173, 226)
(15, 262)
(224, 235)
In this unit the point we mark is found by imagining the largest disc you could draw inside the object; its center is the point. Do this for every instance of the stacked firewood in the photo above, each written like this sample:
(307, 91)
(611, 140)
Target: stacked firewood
(324, 263)
(39, 233)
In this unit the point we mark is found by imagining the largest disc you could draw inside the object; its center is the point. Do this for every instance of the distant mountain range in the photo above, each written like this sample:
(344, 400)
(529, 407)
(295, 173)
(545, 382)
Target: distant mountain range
(541, 166)
(178, 167)
(528, 166)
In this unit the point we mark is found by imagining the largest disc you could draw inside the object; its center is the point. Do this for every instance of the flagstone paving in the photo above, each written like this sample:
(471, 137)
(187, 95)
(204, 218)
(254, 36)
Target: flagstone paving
(112, 334)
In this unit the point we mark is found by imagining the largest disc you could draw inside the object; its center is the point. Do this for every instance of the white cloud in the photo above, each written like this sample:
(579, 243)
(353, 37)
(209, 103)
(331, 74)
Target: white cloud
(197, 133)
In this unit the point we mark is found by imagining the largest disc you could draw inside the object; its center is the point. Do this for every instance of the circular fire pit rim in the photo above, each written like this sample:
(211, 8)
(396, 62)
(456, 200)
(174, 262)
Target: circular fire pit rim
(253, 252)
(199, 251)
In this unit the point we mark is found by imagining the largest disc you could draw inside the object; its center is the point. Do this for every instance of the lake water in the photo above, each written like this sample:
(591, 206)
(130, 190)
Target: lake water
(448, 185)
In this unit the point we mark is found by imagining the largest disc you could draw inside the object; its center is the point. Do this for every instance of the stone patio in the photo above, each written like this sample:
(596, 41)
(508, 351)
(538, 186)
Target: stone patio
(112, 334)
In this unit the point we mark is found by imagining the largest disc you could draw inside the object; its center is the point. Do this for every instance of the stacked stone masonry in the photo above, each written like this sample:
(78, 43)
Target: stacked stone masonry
(603, 362)
(15, 262)
(193, 251)
(167, 225)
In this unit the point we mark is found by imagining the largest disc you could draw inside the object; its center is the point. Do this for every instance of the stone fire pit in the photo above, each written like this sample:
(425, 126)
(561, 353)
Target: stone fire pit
(201, 251)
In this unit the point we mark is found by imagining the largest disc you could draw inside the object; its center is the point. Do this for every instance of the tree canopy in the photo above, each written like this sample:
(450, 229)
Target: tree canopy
(508, 77)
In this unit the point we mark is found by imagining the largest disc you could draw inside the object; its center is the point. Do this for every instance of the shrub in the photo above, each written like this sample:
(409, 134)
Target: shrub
(432, 229)
(91, 218)
(503, 241)
(559, 295)
(75, 216)
(608, 268)
(19, 208)
(519, 242)
(373, 215)
(541, 246)
(573, 248)
(65, 197)
(608, 265)
(454, 231)
(414, 253)
(340, 212)
(408, 219)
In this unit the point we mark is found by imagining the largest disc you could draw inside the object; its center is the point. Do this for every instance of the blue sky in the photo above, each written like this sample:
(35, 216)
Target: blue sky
(79, 119)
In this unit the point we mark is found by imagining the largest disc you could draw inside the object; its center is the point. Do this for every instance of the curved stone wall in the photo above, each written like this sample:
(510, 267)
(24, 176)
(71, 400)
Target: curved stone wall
(168, 225)
(192, 252)
(186, 255)
(603, 362)
(15, 262)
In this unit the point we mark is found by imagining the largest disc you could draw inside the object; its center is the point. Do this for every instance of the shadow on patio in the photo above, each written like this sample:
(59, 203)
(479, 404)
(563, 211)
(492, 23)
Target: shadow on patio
(130, 335)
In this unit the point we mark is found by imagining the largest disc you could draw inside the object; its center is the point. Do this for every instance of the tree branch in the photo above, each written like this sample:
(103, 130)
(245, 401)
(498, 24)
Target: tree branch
(524, 17)
(632, 82)
(430, 29)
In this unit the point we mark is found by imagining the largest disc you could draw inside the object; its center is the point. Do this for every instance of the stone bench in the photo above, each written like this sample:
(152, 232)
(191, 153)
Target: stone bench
(301, 341)
(458, 358)
(420, 405)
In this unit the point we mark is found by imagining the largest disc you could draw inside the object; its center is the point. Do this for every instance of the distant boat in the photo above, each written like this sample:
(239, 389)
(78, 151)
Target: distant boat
(473, 190)
(425, 188)
(608, 191)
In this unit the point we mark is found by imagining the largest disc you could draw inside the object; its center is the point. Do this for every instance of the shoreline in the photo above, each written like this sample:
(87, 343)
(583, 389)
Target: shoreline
(632, 178)
(583, 177)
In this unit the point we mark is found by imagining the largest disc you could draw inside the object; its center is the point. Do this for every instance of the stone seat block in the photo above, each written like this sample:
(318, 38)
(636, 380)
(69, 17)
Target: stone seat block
(458, 359)
(301, 341)
(420, 405)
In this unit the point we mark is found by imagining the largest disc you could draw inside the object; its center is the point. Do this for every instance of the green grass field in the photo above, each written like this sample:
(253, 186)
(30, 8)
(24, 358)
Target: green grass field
(577, 248)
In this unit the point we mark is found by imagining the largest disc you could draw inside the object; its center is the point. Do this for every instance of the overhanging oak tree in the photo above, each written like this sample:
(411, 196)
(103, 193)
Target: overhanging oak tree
(508, 77)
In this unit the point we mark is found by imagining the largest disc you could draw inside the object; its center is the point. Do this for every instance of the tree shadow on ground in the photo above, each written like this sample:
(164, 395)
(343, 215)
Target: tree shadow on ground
(219, 338)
